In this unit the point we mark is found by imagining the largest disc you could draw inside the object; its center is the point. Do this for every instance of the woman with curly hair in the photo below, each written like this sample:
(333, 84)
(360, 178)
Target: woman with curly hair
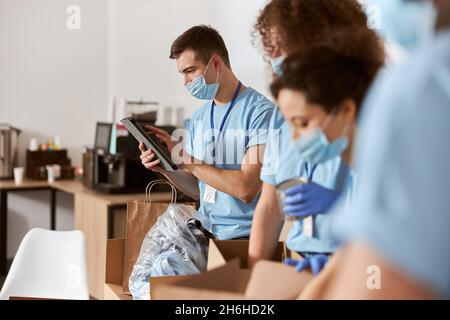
(285, 25)
(283, 28)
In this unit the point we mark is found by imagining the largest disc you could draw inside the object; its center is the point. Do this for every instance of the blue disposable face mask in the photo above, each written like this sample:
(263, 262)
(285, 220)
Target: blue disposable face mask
(316, 148)
(202, 90)
(276, 65)
(409, 23)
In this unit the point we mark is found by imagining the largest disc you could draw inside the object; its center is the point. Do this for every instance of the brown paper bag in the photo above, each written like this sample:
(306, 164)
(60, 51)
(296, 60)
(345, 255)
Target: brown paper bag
(141, 216)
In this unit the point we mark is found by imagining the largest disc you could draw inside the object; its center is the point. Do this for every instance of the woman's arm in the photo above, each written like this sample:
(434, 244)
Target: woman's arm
(266, 226)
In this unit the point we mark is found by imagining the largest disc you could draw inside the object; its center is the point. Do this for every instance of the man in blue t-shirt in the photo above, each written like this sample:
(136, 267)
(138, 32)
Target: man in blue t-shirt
(226, 136)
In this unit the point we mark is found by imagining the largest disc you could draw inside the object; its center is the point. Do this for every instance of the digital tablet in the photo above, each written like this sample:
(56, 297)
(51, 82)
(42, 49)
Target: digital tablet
(151, 142)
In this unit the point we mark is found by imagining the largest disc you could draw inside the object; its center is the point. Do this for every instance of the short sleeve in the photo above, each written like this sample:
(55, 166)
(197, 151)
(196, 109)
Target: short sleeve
(189, 144)
(272, 151)
(259, 124)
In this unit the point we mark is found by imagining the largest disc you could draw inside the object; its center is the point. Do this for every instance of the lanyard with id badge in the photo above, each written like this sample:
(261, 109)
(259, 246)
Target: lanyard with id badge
(210, 193)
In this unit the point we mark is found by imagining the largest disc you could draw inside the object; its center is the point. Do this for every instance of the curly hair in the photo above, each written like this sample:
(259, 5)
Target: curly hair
(340, 67)
(300, 22)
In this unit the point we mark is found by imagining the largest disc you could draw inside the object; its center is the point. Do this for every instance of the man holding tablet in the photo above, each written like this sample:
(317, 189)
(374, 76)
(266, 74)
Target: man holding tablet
(226, 136)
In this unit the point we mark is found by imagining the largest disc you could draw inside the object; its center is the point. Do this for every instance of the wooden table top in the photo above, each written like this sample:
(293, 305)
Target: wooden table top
(26, 184)
(76, 187)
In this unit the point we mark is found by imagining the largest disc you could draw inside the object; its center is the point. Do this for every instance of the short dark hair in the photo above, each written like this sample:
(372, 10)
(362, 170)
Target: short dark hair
(341, 67)
(204, 41)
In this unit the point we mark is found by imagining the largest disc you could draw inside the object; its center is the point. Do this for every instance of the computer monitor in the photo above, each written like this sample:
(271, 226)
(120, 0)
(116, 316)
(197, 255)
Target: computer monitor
(103, 136)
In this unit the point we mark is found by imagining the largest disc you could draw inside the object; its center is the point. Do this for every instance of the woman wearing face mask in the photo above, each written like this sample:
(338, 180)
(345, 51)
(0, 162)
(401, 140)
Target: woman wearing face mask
(319, 94)
(283, 27)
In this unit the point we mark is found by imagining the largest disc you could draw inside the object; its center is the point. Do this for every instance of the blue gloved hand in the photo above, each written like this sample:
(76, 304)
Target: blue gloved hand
(308, 199)
(316, 262)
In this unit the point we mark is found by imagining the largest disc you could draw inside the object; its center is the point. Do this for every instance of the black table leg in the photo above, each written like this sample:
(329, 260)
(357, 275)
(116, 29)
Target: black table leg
(110, 221)
(52, 209)
(3, 228)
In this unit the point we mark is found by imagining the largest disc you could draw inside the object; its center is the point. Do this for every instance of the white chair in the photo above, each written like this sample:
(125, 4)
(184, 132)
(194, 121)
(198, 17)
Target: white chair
(49, 264)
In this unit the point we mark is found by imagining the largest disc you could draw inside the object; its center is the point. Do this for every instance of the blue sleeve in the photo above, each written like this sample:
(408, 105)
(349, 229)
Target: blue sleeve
(259, 124)
(402, 205)
(272, 151)
(189, 145)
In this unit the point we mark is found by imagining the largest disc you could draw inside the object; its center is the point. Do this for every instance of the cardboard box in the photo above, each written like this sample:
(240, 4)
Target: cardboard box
(222, 251)
(268, 280)
(115, 258)
(115, 292)
(115, 254)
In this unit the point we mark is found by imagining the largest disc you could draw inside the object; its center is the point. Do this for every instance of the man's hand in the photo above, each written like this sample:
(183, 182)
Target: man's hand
(164, 136)
(181, 157)
(148, 159)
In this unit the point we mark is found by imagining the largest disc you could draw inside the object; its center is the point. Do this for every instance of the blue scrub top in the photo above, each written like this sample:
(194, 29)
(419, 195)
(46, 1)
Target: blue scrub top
(402, 205)
(283, 162)
(245, 127)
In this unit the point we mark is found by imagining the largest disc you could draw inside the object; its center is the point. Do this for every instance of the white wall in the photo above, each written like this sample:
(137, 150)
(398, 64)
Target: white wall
(52, 82)
(58, 82)
(142, 31)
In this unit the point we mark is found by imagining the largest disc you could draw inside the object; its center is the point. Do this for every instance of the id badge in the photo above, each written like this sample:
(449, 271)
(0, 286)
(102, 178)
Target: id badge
(210, 194)
(308, 226)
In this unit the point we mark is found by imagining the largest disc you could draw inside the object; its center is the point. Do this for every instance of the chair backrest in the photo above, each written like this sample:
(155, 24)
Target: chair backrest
(49, 264)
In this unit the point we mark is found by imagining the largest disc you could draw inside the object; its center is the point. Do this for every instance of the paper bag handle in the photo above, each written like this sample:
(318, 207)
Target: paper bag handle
(149, 187)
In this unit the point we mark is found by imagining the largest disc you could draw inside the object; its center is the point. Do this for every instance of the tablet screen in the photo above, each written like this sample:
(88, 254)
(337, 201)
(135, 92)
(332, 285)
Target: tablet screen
(151, 142)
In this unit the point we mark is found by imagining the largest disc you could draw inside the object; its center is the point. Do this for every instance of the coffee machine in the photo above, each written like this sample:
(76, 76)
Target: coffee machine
(120, 171)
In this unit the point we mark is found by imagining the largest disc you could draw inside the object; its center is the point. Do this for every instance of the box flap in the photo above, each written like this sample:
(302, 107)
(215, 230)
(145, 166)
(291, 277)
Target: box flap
(164, 281)
(215, 257)
(222, 251)
(273, 280)
(226, 282)
(168, 292)
(114, 292)
(227, 278)
(115, 253)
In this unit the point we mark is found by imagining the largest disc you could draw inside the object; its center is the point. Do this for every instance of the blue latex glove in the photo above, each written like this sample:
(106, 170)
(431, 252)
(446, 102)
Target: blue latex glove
(316, 262)
(308, 199)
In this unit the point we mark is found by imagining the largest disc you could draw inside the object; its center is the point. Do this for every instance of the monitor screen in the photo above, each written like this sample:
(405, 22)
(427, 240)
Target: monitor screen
(103, 136)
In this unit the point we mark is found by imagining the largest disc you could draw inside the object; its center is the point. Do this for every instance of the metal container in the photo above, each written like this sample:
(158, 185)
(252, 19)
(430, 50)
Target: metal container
(283, 186)
(9, 142)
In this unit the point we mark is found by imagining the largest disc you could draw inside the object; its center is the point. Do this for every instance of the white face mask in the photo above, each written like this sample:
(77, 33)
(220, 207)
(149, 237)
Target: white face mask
(316, 148)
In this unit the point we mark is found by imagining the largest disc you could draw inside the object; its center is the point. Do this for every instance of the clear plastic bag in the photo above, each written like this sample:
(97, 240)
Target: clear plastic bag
(176, 245)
